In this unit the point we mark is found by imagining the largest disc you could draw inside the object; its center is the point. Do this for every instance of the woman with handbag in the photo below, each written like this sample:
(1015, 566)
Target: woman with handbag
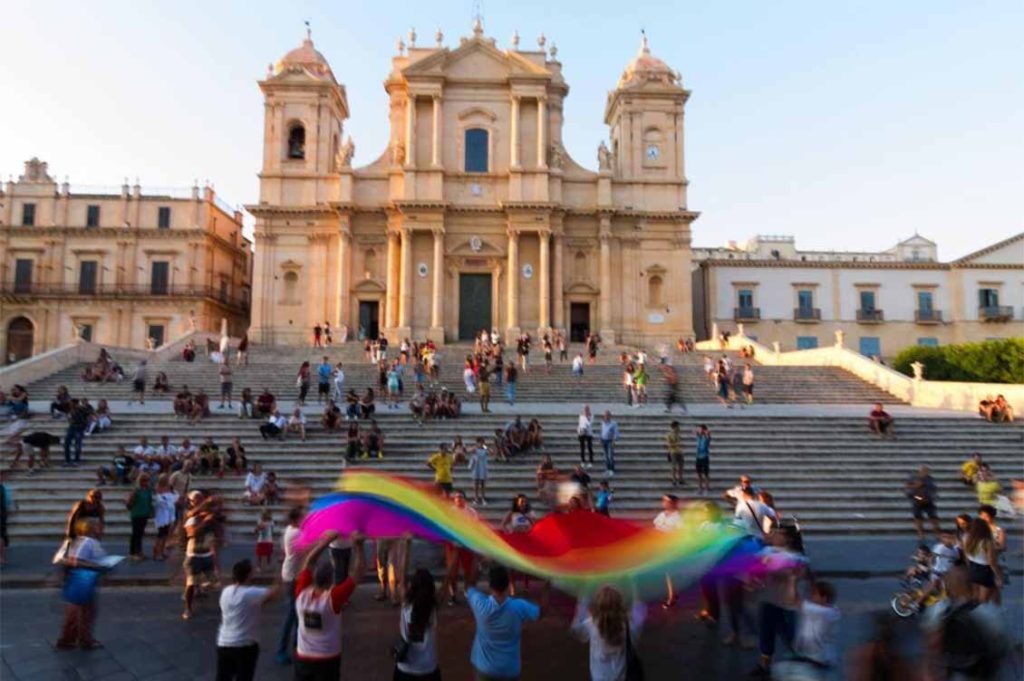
(416, 651)
(612, 632)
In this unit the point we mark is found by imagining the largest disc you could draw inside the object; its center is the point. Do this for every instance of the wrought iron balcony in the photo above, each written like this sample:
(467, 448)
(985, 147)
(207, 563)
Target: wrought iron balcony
(928, 316)
(870, 316)
(995, 313)
(746, 314)
(807, 314)
(88, 290)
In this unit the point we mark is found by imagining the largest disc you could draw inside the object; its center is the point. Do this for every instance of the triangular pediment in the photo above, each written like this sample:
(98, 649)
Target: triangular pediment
(917, 240)
(476, 58)
(369, 286)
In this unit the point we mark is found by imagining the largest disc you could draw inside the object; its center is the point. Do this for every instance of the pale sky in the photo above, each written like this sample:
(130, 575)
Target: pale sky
(848, 125)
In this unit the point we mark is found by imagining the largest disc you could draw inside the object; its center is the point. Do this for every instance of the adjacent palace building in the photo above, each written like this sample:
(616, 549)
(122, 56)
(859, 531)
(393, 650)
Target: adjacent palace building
(882, 301)
(115, 265)
(474, 217)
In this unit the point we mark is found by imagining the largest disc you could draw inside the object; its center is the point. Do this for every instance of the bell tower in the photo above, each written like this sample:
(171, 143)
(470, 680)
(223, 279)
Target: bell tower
(645, 116)
(304, 113)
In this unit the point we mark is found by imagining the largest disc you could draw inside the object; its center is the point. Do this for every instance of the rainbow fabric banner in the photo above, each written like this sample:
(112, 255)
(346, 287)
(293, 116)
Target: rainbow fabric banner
(578, 551)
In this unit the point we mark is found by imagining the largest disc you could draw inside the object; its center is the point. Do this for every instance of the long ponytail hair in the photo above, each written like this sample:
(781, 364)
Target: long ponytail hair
(608, 610)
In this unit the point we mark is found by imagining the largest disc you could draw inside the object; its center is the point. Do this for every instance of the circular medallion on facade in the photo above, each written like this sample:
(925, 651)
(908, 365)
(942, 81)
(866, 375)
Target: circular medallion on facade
(528, 271)
(475, 244)
(475, 189)
(422, 269)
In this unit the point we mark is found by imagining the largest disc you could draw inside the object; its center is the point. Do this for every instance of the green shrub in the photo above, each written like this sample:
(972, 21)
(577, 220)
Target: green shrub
(994, 361)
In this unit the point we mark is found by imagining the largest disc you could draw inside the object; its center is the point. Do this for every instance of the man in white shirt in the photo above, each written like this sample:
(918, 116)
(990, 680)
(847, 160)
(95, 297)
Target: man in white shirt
(255, 481)
(668, 521)
(238, 635)
(750, 514)
(735, 494)
(275, 425)
(289, 571)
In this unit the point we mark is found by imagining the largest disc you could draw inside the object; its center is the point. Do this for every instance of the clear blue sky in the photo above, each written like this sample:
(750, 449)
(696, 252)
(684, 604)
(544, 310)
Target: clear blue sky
(846, 124)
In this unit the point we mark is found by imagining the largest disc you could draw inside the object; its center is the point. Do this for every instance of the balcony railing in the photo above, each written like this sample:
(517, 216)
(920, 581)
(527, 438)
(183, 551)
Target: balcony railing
(121, 291)
(928, 316)
(807, 314)
(995, 313)
(870, 316)
(746, 314)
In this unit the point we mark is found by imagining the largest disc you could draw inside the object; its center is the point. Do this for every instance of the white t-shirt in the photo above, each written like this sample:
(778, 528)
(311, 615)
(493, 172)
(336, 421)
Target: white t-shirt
(290, 565)
(750, 516)
(164, 503)
(240, 615)
(945, 556)
(144, 450)
(817, 633)
(254, 483)
(667, 521)
(577, 364)
(422, 658)
(585, 425)
(295, 420)
(87, 549)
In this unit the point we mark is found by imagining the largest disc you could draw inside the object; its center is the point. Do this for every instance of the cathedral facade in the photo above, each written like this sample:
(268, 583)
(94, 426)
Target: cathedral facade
(475, 216)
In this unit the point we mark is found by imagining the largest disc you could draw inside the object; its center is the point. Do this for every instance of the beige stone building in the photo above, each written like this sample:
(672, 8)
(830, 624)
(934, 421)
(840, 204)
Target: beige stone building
(474, 216)
(882, 301)
(118, 266)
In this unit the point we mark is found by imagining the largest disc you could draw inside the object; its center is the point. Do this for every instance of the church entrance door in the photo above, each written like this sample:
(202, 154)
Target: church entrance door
(579, 322)
(369, 319)
(474, 304)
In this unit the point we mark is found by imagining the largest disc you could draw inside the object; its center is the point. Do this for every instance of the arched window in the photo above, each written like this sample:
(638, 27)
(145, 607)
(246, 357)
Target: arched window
(297, 141)
(654, 286)
(291, 287)
(476, 150)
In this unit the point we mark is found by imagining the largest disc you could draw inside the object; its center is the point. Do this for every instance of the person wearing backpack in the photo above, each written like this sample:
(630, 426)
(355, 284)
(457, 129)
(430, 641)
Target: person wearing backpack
(967, 640)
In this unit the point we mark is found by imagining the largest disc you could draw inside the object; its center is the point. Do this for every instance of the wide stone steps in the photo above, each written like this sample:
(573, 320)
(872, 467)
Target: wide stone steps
(600, 383)
(829, 473)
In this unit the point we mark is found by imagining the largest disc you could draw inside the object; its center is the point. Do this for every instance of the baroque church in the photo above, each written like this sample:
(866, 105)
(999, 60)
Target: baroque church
(475, 216)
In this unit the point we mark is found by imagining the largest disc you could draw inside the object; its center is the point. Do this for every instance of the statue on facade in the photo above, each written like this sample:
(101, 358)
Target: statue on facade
(345, 154)
(604, 157)
(556, 156)
(397, 153)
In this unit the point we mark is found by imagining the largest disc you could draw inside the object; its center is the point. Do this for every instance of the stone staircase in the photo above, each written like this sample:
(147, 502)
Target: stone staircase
(276, 368)
(828, 472)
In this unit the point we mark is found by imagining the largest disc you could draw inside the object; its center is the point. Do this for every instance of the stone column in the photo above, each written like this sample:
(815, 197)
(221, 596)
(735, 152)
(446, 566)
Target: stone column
(437, 301)
(607, 334)
(405, 306)
(435, 158)
(544, 281)
(514, 151)
(410, 130)
(542, 144)
(513, 283)
(391, 281)
(559, 304)
(344, 281)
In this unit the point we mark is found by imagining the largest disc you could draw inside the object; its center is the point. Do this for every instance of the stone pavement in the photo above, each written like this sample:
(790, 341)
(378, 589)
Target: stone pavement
(145, 638)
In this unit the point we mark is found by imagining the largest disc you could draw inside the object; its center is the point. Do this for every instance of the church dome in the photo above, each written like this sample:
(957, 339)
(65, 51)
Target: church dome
(305, 56)
(645, 67)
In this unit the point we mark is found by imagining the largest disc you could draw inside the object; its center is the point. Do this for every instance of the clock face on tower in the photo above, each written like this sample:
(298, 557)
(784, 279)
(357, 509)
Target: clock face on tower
(653, 152)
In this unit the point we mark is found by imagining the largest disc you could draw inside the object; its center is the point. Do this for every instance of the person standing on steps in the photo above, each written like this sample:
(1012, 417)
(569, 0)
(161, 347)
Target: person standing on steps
(609, 434)
(674, 444)
(242, 356)
(703, 459)
(511, 377)
(139, 383)
(317, 333)
(78, 421)
(671, 377)
(339, 383)
(226, 386)
(328, 340)
(922, 492)
(289, 573)
(748, 383)
(140, 509)
(585, 434)
(324, 370)
(484, 385)
(478, 467)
